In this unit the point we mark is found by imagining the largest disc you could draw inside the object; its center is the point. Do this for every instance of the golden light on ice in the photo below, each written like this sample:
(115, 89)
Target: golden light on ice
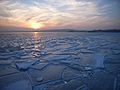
(35, 33)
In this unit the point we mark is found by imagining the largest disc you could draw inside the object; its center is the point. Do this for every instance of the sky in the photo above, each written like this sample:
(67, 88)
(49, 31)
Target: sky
(60, 14)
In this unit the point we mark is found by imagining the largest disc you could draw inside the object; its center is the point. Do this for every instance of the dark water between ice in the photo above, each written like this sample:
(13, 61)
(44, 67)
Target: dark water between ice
(91, 51)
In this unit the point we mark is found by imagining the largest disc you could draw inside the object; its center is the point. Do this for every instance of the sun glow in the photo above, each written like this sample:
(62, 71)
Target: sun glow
(36, 25)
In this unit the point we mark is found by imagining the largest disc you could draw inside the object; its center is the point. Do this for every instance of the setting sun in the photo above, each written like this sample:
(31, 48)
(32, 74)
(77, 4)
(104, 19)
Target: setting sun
(36, 25)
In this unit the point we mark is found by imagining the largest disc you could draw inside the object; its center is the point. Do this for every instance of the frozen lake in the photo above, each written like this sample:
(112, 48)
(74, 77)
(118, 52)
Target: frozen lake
(59, 61)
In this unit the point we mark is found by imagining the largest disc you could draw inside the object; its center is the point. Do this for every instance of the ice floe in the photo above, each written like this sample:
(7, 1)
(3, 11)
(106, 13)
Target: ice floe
(25, 65)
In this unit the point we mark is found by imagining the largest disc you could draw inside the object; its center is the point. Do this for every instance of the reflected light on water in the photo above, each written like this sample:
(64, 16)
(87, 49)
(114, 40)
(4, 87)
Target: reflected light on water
(35, 35)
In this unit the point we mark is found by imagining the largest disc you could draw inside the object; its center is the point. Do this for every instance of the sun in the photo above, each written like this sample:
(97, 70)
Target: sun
(35, 25)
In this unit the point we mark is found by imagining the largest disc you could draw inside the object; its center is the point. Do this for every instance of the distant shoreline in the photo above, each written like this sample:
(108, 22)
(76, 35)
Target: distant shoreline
(65, 30)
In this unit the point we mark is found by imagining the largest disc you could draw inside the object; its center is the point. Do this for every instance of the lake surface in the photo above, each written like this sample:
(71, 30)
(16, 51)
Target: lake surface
(60, 60)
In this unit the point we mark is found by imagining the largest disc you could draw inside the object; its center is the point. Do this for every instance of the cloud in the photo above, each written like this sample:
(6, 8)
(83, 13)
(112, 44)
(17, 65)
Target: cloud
(61, 13)
(4, 13)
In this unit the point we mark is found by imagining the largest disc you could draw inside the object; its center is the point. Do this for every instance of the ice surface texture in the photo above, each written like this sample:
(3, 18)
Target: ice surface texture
(59, 61)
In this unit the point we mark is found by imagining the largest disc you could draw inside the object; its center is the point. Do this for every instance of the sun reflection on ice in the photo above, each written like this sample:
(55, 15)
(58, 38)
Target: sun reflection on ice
(36, 45)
